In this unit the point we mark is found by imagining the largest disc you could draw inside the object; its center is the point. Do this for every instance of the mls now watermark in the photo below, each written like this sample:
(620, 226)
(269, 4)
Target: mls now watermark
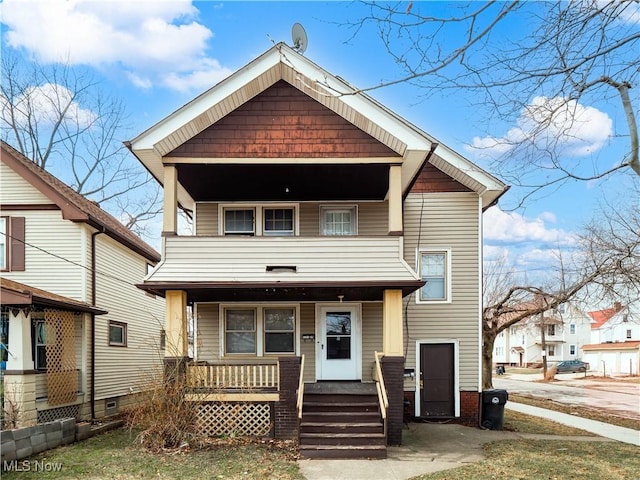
(31, 466)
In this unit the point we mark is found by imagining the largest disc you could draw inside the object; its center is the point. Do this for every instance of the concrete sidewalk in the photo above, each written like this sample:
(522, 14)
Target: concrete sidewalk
(621, 434)
(431, 447)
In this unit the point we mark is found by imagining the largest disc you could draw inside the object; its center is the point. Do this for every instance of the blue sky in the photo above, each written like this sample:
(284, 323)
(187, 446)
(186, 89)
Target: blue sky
(158, 55)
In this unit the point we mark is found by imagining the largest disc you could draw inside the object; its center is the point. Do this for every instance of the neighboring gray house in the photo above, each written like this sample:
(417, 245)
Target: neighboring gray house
(80, 335)
(327, 228)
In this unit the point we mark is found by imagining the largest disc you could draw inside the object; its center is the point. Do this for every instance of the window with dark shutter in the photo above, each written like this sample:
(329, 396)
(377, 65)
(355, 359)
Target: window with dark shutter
(17, 263)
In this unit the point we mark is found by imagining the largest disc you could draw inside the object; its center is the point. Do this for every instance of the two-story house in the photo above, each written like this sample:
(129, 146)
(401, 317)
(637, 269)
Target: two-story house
(79, 334)
(615, 340)
(566, 330)
(337, 252)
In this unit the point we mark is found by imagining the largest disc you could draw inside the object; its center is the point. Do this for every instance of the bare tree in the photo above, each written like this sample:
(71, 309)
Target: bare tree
(558, 60)
(60, 119)
(605, 265)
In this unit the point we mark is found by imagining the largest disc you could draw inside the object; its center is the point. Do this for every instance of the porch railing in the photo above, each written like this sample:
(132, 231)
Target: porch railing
(300, 388)
(383, 400)
(234, 377)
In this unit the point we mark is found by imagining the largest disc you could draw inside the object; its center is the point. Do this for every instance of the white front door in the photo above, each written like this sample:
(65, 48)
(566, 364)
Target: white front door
(338, 347)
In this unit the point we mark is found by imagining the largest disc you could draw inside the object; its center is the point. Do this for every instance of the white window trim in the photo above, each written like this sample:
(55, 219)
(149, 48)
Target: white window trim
(4, 266)
(121, 325)
(448, 274)
(337, 206)
(258, 209)
(259, 308)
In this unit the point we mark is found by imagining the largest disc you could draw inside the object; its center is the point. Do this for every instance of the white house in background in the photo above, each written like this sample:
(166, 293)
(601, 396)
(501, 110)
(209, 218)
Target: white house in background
(615, 340)
(80, 334)
(566, 331)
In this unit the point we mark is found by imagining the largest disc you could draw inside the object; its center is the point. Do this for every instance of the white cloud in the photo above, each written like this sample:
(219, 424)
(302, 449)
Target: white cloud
(566, 126)
(512, 227)
(155, 41)
(47, 103)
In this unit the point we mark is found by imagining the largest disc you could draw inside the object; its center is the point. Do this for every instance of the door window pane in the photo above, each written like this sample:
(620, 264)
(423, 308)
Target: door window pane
(240, 331)
(338, 335)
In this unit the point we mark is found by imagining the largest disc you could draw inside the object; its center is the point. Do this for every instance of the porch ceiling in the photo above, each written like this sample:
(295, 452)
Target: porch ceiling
(284, 182)
(283, 292)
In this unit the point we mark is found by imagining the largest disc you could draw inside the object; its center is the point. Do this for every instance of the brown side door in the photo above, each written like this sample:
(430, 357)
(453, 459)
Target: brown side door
(437, 380)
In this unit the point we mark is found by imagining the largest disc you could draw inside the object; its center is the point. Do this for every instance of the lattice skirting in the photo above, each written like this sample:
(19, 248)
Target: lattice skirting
(238, 419)
(52, 414)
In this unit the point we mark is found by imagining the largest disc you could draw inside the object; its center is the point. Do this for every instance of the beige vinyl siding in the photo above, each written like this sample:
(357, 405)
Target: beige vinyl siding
(244, 259)
(119, 368)
(373, 218)
(449, 220)
(54, 254)
(16, 190)
(308, 349)
(206, 219)
(371, 337)
(207, 336)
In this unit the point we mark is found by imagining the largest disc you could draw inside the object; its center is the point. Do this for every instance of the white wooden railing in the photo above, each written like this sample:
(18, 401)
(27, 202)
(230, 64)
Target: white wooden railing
(383, 400)
(300, 388)
(234, 377)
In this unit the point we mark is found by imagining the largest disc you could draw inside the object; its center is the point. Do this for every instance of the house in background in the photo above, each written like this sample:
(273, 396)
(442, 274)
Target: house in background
(615, 340)
(336, 256)
(79, 333)
(566, 330)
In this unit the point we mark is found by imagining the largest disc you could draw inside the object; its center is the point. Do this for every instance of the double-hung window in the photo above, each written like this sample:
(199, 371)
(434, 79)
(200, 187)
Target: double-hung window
(4, 251)
(239, 221)
(435, 270)
(12, 241)
(40, 340)
(260, 330)
(277, 220)
(338, 220)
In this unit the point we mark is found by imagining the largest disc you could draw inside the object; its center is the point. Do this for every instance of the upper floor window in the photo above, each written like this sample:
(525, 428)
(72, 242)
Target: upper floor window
(277, 220)
(629, 334)
(551, 330)
(572, 349)
(12, 244)
(239, 221)
(572, 328)
(338, 220)
(435, 267)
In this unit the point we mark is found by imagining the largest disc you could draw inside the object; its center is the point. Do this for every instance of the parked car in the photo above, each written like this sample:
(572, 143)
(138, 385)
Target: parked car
(572, 366)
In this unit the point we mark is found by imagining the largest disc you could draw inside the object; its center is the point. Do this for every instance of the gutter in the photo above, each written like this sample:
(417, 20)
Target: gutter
(92, 379)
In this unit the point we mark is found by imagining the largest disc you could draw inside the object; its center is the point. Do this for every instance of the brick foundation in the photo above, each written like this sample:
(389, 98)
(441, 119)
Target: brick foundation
(393, 373)
(470, 407)
(285, 411)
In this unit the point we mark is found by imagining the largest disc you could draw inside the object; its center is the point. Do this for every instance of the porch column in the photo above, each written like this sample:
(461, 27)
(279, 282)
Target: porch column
(176, 342)
(393, 363)
(395, 200)
(170, 207)
(392, 339)
(20, 378)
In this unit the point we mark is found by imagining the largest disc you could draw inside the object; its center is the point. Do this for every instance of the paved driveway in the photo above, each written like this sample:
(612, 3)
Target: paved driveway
(619, 398)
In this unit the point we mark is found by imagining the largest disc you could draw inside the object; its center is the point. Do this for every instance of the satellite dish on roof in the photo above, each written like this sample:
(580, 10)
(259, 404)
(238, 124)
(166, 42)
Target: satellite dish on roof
(299, 37)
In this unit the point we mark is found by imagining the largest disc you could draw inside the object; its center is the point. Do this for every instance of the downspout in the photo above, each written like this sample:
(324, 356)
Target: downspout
(92, 380)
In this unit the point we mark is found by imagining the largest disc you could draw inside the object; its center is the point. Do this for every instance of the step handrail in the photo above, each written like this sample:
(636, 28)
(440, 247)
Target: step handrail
(383, 400)
(300, 388)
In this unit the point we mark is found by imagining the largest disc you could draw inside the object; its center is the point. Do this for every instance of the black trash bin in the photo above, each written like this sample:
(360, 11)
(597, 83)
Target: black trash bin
(493, 402)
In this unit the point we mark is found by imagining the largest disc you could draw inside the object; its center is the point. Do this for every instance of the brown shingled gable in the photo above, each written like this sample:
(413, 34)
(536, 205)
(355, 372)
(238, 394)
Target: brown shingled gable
(74, 206)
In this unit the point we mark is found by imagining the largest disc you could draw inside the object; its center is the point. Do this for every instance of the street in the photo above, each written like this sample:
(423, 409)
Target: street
(620, 398)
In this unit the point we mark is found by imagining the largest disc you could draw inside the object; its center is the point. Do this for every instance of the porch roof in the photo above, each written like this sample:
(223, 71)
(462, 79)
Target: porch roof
(282, 268)
(16, 294)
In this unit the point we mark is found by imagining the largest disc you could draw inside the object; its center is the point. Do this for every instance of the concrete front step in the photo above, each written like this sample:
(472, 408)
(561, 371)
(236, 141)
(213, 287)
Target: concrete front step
(341, 427)
(343, 451)
(339, 417)
(361, 439)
